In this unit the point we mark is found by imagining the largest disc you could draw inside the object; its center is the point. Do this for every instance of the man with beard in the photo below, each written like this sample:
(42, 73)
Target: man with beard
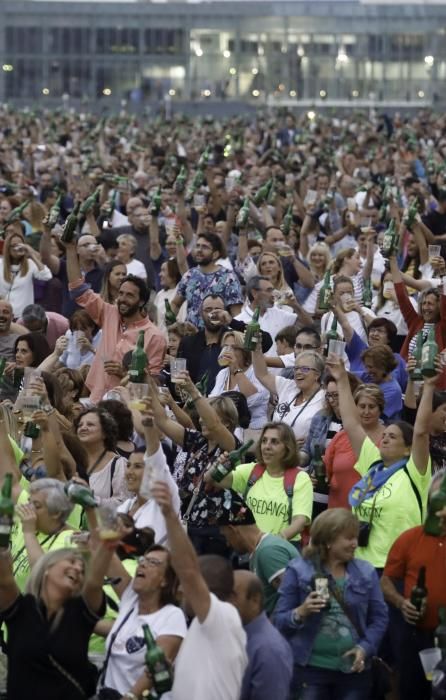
(207, 278)
(120, 323)
(202, 349)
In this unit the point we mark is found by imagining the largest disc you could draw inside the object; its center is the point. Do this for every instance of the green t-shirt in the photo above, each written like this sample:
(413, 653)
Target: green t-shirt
(268, 561)
(334, 638)
(396, 506)
(269, 501)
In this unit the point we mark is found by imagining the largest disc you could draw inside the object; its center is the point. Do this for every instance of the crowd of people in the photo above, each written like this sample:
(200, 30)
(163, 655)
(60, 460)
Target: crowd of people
(223, 406)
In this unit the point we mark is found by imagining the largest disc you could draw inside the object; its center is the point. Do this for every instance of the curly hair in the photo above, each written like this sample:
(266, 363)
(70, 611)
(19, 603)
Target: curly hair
(108, 425)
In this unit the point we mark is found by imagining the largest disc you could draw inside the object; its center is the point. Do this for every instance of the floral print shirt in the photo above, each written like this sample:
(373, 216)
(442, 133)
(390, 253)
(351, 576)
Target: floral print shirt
(195, 285)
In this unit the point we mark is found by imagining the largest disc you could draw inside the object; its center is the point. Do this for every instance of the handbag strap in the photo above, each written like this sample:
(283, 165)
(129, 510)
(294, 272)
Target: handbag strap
(335, 593)
(67, 675)
(109, 650)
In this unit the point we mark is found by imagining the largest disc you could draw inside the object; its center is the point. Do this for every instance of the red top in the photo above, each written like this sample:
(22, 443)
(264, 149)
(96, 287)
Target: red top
(409, 552)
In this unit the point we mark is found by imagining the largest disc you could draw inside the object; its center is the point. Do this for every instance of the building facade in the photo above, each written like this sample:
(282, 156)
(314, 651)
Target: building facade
(257, 51)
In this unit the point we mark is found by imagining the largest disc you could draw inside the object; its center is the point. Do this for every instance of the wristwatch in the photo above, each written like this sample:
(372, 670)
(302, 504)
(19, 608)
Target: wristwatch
(296, 618)
(238, 371)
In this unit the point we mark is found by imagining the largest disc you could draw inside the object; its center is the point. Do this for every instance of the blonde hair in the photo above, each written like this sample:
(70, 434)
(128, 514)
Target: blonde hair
(226, 411)
(326, 528)
(319, 247)
(238, 344)
(279, 283)
(372, 391)
(341, 257)
(35, 214)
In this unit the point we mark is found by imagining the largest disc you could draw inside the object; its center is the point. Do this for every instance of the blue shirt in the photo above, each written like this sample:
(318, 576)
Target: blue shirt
(270, 662)
(355, 348)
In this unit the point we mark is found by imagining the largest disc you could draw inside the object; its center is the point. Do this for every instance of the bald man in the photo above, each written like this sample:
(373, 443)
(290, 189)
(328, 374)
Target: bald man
(270, 660)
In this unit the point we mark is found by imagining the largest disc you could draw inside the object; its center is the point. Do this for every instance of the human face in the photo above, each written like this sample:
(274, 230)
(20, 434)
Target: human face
(5, 209)
(204, 253)
(332, 396)
(353, 265)
(269, 267)
(412, 247)
(318, 259)
(376, 374)
(125, 251)
(173, 344)
(165, 280)
(44, 521)
(232, 536)
(274, 239)
(438, 420)
(306, 375)
(392, 445)
(66, 575)
(16, 248)
(134, 472)
(368, 410)
(343, 547)
(208, 309)
(171, 246)
(150, 573)
(272, 448)
(305, 341)
(86, 247)
(430, 309)
(378, 336)
(128, 300)
(89, 430)
(117, 274)
(23, 354)
(342, 288)
(264, 295)
(5, 316)
(140, 219)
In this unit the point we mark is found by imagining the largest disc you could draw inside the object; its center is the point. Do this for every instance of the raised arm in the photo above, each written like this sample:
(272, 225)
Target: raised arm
(48, 259)
(183, 556)
(367, 270)
(9, 591)
(343, 322)
(420, 444)
(8, 463)
(155, 249)
(167, 426)
(348, 409)
(261, 370)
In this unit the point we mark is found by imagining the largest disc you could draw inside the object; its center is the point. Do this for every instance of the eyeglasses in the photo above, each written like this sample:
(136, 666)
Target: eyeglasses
(305, 370)
(307, 346)
(203, 247)
(150, 561)
(331, 395)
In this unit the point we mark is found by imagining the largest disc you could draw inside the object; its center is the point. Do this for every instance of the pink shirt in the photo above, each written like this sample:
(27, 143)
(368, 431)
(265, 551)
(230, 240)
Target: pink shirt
(117, 339)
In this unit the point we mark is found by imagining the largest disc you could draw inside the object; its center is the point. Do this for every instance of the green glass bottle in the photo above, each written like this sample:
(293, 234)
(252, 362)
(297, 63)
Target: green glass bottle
(431, 167)
(390, 240)
(6, 511)
(428, 355)
(243, 215)
(437, 501)
(272, 194)
(416, 375)
(325, 293)
(158, 667)
(16, 214)
(418, 594)
(139, 361)
(54, 213)
(262, 193)
(367, 294)
(169, 314)
(180, 182)
(155, 205)
(80, 495)
(111, 206)
(219, 470)
(205, 157)
(319, 470)
(252, 332)
(412, 212)
(2, 366)
(440, 631)
(287, 221)
(331, 334)
(69, 229)
(196, 183)
(89, 203)
(31, 430)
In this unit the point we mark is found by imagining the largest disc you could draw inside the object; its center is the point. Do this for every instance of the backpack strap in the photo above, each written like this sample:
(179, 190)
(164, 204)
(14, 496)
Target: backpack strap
(257, 472)
(415, 490)
(112, 473)
(289, 479)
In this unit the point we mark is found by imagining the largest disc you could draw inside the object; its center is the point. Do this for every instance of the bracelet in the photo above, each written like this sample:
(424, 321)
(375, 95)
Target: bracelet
(237, 371)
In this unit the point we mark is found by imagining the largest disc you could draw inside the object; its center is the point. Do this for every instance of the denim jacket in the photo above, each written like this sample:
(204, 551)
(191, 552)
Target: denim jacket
(317, 432)
(362, 596)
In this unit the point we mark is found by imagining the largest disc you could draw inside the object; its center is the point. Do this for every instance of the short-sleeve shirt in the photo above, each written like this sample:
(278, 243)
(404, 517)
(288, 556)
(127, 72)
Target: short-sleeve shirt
(31, 642)
(195, 285)
(297, 417)
(268, 561)
(412, 550)
(268, 500)
(396, 505)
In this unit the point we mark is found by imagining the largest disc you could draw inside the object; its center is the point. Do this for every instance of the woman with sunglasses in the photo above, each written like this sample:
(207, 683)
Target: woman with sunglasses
(390, 495)
(298, 399)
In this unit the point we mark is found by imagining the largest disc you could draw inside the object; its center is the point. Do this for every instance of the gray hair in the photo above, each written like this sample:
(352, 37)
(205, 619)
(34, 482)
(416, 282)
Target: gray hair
(129, 238)
(34, 312)
(56, 500)
(318, 360)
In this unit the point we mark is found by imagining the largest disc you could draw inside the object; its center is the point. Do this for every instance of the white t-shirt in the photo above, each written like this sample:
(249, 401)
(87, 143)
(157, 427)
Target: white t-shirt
(257, 403)
(137, 268)
(126, 662)
(108, 489)
(160, 306)
(354, 320)
(297, 417)
(20, 291)
(212, 658)
(149, 514)
(272, 321)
